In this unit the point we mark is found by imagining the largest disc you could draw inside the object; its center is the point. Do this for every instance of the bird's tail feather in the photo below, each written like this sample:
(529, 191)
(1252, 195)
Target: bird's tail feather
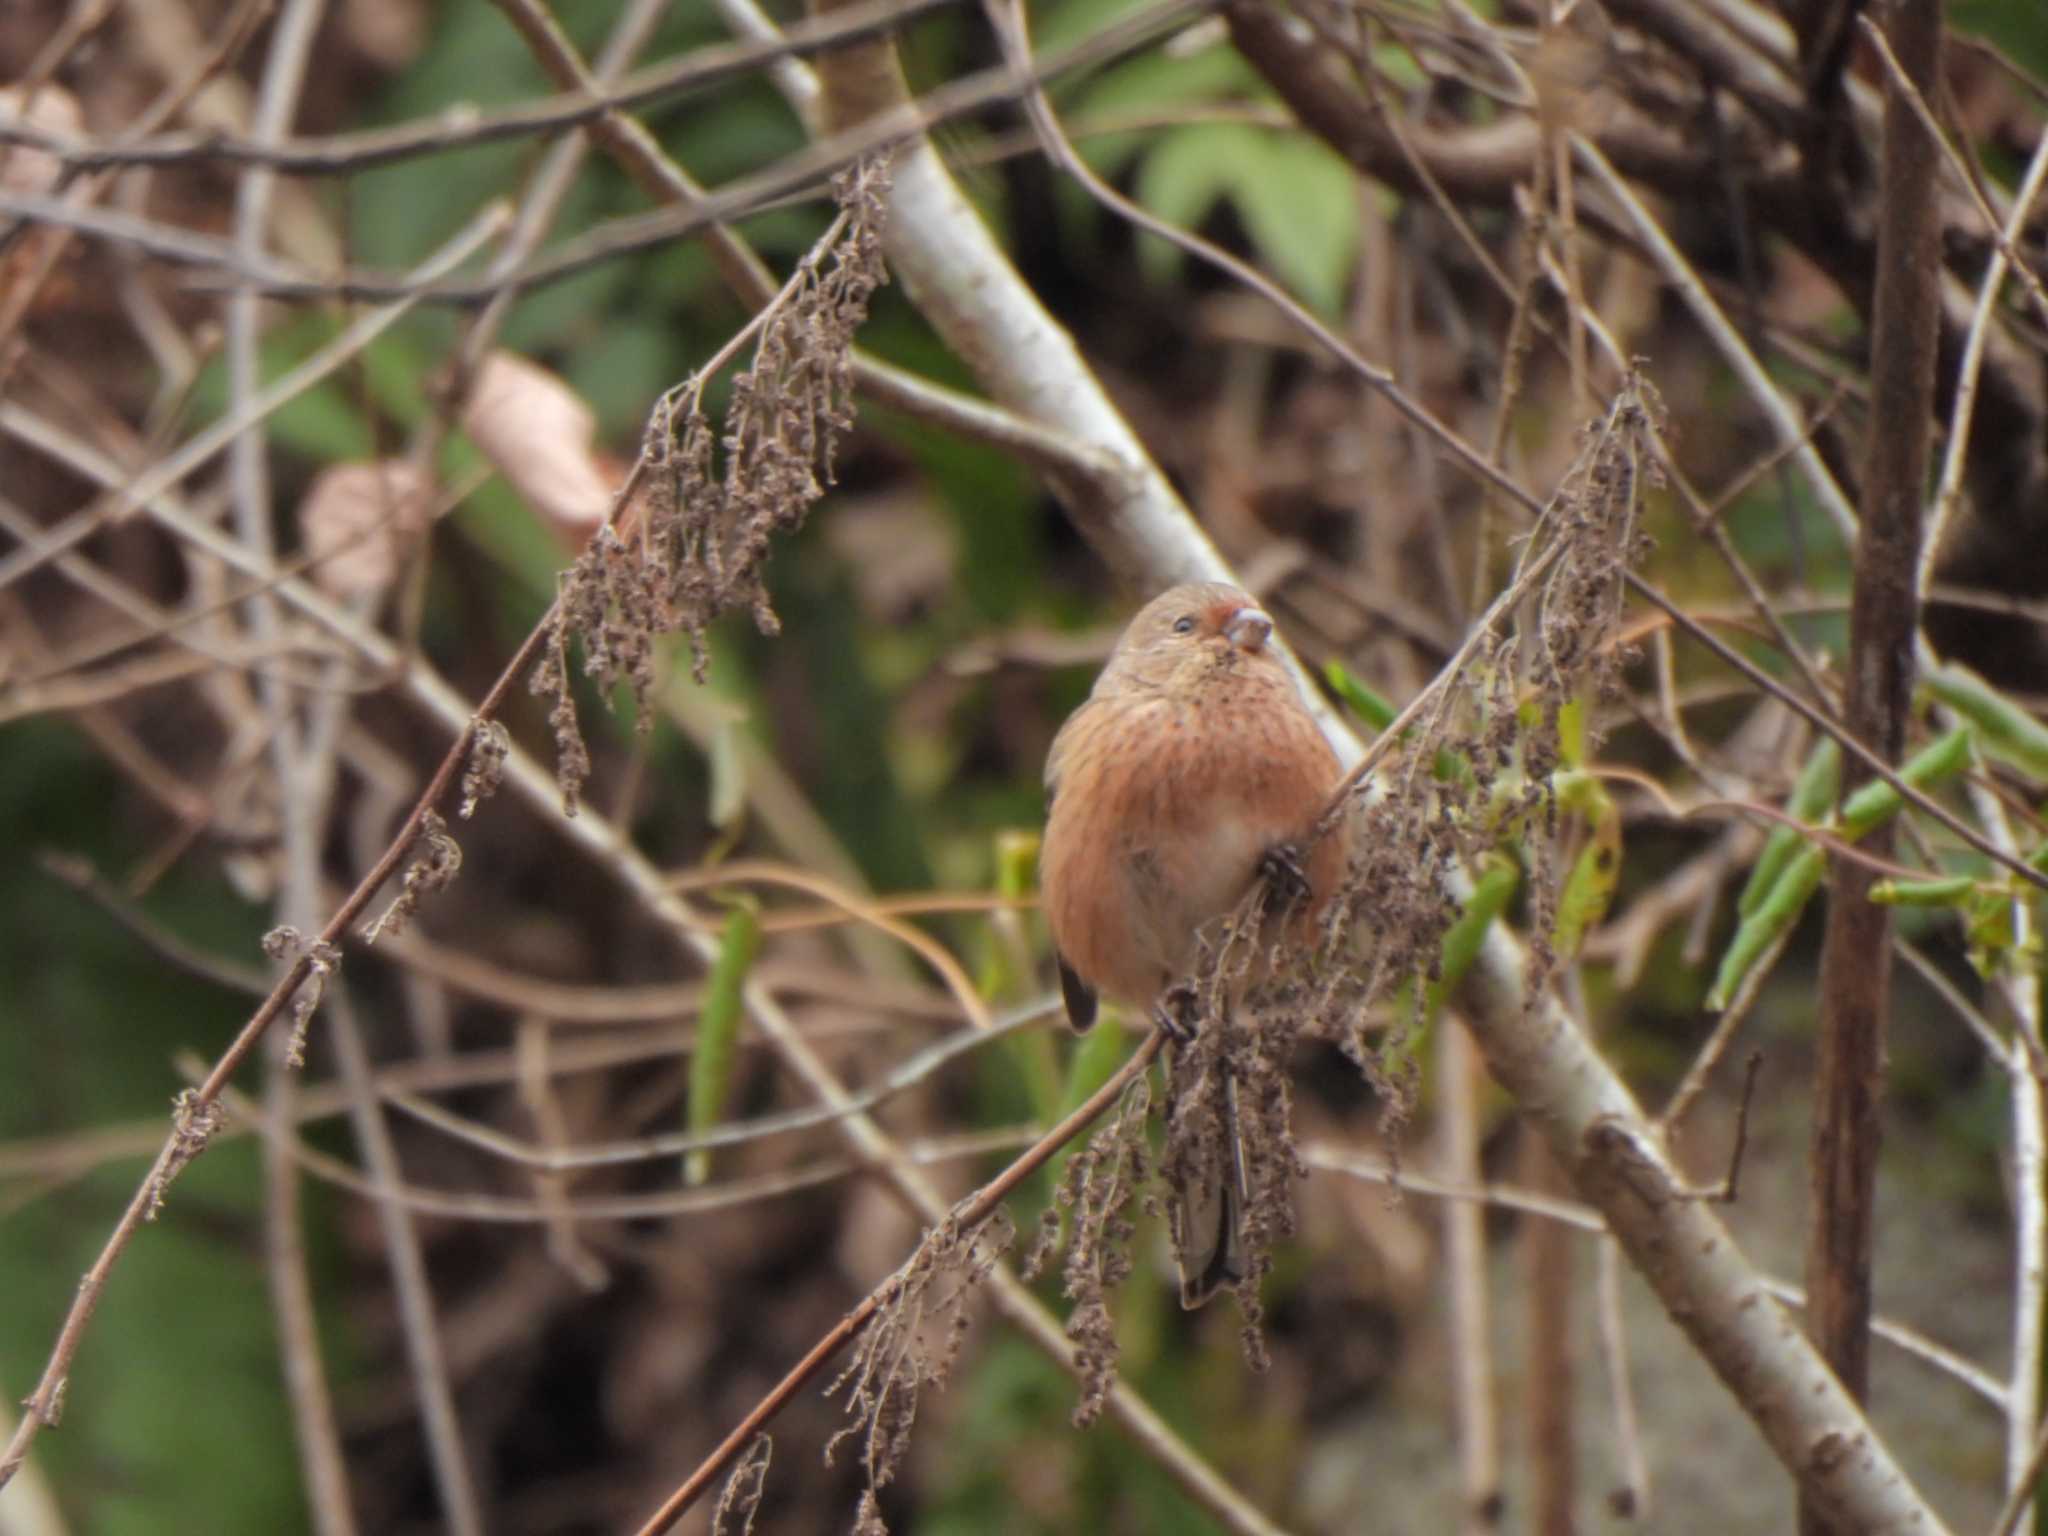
(1211, 1234)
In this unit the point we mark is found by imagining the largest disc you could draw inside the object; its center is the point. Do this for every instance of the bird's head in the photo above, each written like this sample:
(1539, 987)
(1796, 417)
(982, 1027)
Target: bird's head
(1188, 634)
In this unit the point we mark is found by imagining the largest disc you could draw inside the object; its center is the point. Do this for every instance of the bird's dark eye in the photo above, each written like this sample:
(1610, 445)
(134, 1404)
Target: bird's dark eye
(1184, 625)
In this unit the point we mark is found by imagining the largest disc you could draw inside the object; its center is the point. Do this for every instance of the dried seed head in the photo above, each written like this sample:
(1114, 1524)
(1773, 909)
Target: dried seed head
(914, 1339)
(711, 503)
(740, 1500)
(1100, 1187)
(435, 869)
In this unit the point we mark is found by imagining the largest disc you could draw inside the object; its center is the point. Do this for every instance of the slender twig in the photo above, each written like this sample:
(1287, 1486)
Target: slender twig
(2021, 993)
(1549, 1412)
(2004, 233)
(1007, 17)
(1962, 413)
(967, 1215)
(805, 172)
(540, 1093)
(639, 153)
(80, 876)
(426, 1352)
(1708, 524)
(231, 35)
(302, 795)
(1631, 1497)
(1349, 1162)
(1465, 1255)
(204, 445)
(148, 1194)
(61, 1158)
(1996, 1046)
(516, 1210)
(1852, 746)
(2021, 1496)
(1728, 340)
(923, 944)
(698, 69)
(668, 1144)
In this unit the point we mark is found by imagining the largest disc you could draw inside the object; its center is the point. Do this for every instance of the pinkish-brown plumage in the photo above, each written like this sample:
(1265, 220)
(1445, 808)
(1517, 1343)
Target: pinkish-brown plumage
(1192, 761)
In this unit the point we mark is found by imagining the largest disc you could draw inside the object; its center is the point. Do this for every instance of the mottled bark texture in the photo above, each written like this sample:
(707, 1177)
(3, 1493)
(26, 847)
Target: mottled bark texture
(1883, 619)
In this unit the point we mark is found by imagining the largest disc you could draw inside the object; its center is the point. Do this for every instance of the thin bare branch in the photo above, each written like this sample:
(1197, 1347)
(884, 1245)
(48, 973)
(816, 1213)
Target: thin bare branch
(966, 1216)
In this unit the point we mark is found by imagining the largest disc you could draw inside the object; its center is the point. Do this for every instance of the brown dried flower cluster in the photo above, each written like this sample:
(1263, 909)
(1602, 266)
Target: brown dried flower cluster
(285, 942)
(439, 861)
(913, 1343)
(194, 1124)
(740, 1500)
(1479, 767)
(711, 503)
(1102, 1182)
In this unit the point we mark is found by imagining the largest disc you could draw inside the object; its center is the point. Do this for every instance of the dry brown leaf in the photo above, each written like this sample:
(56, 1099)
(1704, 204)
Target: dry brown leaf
(538, 433)
(34, 172)
(357, 518)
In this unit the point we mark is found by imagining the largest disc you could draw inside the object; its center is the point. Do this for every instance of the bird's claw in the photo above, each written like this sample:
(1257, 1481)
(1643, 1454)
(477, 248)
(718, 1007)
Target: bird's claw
(1280, 867)
(1176, 1012)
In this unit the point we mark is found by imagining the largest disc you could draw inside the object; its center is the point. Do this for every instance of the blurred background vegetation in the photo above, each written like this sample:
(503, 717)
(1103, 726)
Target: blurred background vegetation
(939, 619)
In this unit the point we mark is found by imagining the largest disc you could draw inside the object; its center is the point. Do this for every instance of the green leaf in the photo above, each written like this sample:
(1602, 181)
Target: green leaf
(1769, 921)
(1301, 207)
(1814, 793)
(718, 1029)
(1795, 880)
(1298, 201)
(1490, 895)
(1878, 802)
(1369, 706)
(1589, 886)
(2004, 730)
(1989, 925)
(1183, 175)
(1029, 1056)
(1154, 84)
(1923, 893)
(1571, 733)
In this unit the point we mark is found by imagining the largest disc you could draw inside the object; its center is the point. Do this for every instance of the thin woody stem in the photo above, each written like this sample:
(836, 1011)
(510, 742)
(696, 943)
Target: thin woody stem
(971, 1213)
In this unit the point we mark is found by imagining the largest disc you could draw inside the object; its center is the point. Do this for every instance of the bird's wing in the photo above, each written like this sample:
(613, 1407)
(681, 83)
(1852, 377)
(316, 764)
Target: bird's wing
(1080, 997)
(1056, 755)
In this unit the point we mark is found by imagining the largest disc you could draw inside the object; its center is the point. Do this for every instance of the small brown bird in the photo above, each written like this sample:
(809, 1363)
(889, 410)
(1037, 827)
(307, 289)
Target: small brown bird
(1192, 769)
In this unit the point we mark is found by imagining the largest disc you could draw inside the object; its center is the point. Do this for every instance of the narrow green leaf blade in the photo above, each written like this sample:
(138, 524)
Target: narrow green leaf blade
(718, 1029)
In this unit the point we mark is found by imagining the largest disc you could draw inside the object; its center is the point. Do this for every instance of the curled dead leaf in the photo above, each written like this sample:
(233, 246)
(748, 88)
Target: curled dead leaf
(357, 518)
(25, 170)
(538, 433)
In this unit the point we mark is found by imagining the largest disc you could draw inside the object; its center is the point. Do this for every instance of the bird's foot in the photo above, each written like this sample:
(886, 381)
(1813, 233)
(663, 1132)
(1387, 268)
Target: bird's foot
(1280, 867)
(1176, 1013)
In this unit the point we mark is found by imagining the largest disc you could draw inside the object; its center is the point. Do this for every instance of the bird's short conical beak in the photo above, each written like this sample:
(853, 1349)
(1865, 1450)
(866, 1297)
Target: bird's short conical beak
(1249, 629)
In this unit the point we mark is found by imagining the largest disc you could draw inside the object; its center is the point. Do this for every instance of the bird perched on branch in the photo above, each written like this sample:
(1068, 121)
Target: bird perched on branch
(1193, 769)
